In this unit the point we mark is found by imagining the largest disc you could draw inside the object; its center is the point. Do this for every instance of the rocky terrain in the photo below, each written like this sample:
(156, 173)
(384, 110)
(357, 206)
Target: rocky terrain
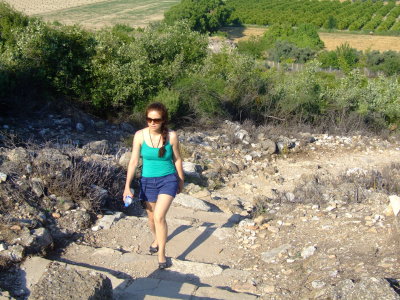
(265, 214)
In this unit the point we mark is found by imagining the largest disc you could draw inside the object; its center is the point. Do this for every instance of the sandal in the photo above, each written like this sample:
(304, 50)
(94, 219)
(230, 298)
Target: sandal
(163, 265)
(153, 250)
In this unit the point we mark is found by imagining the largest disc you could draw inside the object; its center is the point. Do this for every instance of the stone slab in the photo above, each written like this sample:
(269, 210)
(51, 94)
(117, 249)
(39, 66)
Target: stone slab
(215, 293)
(149, 288)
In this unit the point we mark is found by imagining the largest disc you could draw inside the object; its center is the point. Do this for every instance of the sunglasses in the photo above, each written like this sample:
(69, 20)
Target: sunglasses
(156, 121)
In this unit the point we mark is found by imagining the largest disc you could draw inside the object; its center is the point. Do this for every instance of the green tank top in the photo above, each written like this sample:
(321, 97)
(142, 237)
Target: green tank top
(154, 166)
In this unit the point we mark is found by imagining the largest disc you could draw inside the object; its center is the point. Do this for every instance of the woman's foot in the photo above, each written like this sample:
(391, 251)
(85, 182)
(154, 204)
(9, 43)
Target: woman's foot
(153, 248)
(163, 265)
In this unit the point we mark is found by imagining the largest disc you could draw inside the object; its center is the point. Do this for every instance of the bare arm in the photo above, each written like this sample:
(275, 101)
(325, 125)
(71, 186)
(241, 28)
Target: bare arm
(133, 162)
(177, 158)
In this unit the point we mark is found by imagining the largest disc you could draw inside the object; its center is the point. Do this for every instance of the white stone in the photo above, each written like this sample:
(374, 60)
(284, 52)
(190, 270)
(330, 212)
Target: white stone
(317, 284)
(3, 177)
(269, 256)
(108, 220)
(195, 269)
(308, 251)
(190, 169)
(3, 247)
(395, 203)
(248, 157)
(191, 202)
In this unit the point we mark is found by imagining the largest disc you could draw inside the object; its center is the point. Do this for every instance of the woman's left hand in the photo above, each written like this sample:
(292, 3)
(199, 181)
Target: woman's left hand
(180, 188)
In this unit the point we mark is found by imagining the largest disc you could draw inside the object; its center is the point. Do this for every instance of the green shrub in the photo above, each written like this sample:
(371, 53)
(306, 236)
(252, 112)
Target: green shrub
(284, 50)
(202, 15)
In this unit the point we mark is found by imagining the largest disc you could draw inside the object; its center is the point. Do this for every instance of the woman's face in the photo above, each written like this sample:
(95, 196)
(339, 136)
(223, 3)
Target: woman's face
(154, 119)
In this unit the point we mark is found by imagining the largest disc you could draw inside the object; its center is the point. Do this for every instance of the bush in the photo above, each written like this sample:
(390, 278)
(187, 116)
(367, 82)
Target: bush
(127, 74)
(284, 50)
(387, 62)
(202, 15)
(305, 36)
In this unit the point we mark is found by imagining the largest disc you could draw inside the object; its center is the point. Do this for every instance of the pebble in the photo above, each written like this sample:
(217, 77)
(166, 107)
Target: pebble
(317, 284)
(273, 229)
(15, 227)
(269, 289)
(3, 247)
(56, 215)
(308, 251)
(259, 220)
(3, 177)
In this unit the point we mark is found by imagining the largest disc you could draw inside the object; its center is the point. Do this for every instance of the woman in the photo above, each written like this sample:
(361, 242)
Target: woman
(162, 174)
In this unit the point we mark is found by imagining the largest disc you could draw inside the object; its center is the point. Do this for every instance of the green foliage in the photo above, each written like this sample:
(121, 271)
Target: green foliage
(129, 70)
(284, 50)
(305, 36)
(344, 58)
(330, 22)
(170, 98)
(300, 97)
(202, 15)
(354, 15)
(254, 46)
(10, 21)
(387, 62)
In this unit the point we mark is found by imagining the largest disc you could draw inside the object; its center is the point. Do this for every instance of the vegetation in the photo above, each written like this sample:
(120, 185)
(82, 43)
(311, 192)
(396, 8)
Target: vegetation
(282, 42)
(202, 15)
(119, 70)
(348, 15)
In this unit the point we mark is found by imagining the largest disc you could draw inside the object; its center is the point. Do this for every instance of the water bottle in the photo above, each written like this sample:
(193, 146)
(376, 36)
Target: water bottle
(128, 201)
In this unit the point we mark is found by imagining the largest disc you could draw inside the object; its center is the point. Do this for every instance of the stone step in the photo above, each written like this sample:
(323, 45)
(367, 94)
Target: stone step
(148, 288)
(179, 285)
(136, 265)
(203, 242)
(34, 267)
(203, 218)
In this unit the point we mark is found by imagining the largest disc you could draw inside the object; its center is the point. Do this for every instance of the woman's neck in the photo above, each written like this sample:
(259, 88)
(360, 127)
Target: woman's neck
(154, 131)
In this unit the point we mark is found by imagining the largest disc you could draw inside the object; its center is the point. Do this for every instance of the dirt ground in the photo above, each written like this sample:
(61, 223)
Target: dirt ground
(351, 240)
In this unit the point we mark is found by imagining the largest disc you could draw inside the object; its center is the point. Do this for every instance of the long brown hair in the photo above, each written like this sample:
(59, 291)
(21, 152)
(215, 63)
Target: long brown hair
(159, 107)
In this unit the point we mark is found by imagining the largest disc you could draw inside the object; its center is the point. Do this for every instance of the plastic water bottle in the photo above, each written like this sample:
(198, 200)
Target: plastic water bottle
(128, 201)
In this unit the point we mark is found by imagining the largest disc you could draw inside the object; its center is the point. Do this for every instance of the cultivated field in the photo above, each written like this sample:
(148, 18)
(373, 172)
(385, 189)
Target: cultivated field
(331, 40)
(95, 14)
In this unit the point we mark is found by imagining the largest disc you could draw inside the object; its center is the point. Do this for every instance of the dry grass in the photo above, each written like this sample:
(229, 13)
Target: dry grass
(95, 14)
(331, 40)
(36, 7)
(361, 42)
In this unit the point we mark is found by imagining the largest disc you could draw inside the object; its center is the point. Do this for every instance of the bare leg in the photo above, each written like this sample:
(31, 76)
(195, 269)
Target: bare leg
(163, 203)
(150, 214)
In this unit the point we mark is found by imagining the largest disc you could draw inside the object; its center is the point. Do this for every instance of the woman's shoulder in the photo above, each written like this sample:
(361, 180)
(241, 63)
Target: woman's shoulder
(173, 136)
(139, 135)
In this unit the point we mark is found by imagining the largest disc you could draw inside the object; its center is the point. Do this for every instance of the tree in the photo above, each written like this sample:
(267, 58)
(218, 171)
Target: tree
(202, 15)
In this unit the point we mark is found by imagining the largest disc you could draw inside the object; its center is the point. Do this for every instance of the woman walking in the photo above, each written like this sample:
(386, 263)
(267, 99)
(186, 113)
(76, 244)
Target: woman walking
(162, 174)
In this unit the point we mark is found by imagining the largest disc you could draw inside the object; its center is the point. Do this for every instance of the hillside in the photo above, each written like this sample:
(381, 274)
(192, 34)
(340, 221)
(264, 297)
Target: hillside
(275, 215)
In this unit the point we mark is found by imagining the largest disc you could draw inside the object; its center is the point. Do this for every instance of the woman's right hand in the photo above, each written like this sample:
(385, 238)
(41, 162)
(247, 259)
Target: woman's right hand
(127, 192)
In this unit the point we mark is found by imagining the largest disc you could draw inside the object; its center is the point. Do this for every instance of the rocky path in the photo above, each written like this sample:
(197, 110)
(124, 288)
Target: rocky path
(295, 251)
(281, 218)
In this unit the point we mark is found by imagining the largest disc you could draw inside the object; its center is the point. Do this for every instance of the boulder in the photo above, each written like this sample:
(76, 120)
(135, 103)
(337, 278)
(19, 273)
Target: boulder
(18, 155)
(191, 202)
(191, 169)
(62, 282)
(52, 157)
(124, 159)
(268, 146)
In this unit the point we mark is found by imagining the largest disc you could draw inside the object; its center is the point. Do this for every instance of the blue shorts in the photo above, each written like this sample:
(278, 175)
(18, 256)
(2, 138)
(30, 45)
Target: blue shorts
(151, 187)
